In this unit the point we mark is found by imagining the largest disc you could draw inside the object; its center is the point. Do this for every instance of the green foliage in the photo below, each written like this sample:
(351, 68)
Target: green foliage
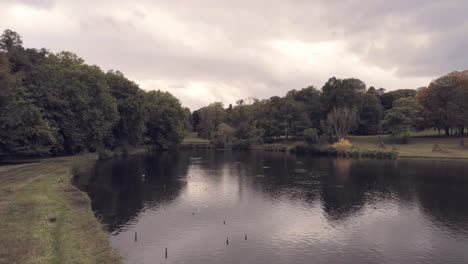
(342, 93)
(57, 104)
(370, 116)
(311, 135)
(404, 116)
(389, 98)
(9, 40)
(445, 102)
(164, 119)
(247, 135)
(130, 128)
(208, 118)
(224, 136)
(23, 130)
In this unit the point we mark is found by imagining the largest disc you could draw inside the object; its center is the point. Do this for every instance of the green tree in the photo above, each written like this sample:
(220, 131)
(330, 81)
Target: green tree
(311, 135)
(404, 117)
(9, 40)
(370, 115)
(76, 100)
(209, 118)
(342, 93)
(224, 136)
(164, 119)
(443, 101)
(23, 130)
(130, 128)
(389, 98)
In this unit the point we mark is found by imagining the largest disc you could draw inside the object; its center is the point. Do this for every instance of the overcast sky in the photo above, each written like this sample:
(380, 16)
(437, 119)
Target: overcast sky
(224, 50)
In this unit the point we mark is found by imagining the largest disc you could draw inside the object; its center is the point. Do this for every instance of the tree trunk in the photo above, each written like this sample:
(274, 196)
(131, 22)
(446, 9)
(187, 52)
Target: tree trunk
(447, 131)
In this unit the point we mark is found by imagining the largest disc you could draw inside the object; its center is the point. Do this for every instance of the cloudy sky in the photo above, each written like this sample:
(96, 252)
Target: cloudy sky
(222, 50)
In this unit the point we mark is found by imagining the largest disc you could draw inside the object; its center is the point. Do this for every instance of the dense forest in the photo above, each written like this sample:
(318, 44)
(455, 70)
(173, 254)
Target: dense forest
(56, 104)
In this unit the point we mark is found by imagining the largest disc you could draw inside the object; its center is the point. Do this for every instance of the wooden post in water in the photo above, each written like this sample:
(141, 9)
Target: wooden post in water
(166, 253)
(227, 240)
(224, 221)
(136, 237)
(245, 237)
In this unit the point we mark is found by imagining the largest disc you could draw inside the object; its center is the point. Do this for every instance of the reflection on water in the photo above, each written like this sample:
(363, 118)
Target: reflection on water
(292, 209)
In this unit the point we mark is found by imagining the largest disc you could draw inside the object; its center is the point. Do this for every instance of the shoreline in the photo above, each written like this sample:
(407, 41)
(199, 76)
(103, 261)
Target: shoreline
(45, 219)
(288, 148)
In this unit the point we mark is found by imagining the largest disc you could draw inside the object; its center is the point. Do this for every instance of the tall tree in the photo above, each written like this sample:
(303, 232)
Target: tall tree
(405, 116)
(444, 101)
(340, 121)
(9, 40)
(164, 119)
(23, 130)
(209, 118)
(130, 128)
(370, 115)
(341, 93)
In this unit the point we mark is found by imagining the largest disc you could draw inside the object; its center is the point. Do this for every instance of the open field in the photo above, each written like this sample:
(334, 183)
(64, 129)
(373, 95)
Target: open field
(44, 219)
(192, 138)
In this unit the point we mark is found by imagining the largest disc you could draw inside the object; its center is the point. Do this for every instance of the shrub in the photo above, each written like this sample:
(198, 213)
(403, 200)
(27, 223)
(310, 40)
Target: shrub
(342, 146)
(275, 148)
(308, 149)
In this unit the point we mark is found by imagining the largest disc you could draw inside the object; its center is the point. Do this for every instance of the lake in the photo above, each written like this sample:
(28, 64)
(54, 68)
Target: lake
(260, 207)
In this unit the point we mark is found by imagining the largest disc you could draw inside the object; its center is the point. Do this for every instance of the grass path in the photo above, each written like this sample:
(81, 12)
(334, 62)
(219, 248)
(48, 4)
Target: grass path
(44, 219)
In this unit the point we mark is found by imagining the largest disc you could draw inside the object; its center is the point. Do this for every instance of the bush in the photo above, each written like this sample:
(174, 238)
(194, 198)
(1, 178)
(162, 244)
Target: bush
(308, 149)
(342, 146)
(311, 135)
(275, 148)
(371, 154)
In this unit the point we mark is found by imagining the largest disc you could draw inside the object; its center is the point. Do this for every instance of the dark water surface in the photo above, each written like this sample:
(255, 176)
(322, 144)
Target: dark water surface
(293, 209)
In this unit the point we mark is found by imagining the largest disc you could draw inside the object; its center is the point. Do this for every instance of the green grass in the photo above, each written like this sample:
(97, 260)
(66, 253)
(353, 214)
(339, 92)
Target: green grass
(418, 146)
(33, 194)
(192, 138)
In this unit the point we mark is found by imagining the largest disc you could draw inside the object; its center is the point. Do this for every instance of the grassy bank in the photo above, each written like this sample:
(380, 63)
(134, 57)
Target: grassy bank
(417, 146)
(44, 219)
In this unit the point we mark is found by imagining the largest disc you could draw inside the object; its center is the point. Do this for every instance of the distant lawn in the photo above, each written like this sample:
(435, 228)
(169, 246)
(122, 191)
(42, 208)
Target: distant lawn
(419, 145)
(192, 138)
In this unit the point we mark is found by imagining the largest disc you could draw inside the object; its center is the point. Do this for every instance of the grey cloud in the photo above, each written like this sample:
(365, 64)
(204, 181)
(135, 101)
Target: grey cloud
(41, 4)
(419, 38)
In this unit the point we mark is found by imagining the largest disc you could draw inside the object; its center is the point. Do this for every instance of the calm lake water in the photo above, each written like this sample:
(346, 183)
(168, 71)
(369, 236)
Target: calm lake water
(293, 209)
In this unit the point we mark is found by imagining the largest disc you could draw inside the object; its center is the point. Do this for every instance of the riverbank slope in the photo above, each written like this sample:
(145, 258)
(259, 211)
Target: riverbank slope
(44, 219)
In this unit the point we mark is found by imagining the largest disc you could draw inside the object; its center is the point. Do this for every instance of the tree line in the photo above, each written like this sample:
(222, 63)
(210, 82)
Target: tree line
(56, 104)
(339, 108)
